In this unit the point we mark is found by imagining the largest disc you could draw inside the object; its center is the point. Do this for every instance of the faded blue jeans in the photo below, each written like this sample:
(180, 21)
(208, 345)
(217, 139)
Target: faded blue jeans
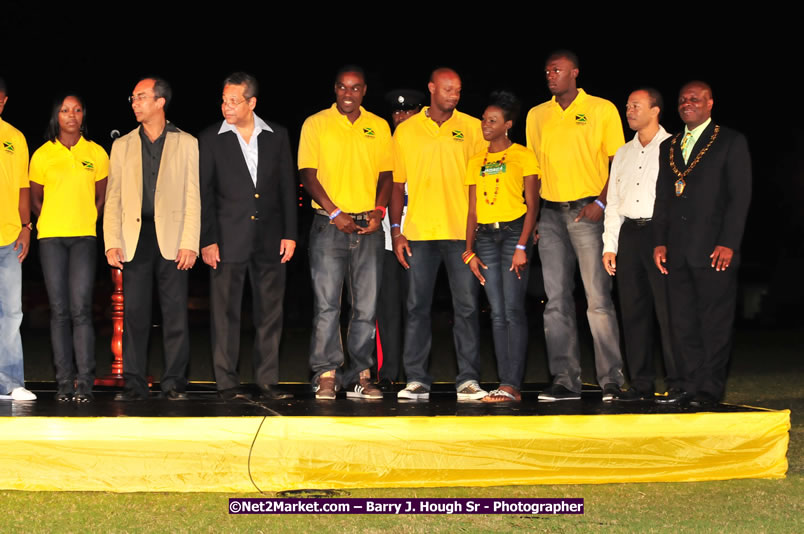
(563, 243)
(11, 367)
(336, 257)
(506, 295)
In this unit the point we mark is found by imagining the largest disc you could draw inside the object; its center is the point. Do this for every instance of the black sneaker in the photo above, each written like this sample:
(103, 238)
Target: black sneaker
(83, 393)
(633, 395)
(65, 392)
(610, 392)
(557, 392)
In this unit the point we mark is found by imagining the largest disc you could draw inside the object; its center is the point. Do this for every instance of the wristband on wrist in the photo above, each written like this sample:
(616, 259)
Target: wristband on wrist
(382, 209)
(395, 226)
(599, 203)
(335, 213)
(521, 247)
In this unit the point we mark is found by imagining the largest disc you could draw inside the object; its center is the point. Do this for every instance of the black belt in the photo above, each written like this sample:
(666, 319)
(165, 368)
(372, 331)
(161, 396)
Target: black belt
(570, 204)
(639, 222)
(364, 216)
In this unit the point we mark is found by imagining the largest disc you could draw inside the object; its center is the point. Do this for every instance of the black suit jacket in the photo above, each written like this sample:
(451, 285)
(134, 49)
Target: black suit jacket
(241, 218)
(714, 205)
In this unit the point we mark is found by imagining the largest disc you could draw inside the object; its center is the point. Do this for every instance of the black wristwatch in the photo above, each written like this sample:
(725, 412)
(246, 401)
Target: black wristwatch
(28, 225)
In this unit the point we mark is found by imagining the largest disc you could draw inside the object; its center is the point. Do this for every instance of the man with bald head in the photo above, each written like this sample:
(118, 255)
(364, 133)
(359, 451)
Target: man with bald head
(702, 197)
(431, 150)
(151, 227)
(628, 245)
(574, 136)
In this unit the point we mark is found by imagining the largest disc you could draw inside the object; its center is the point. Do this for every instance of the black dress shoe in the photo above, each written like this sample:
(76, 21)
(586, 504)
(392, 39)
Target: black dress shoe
(675, 397)
(704, 400)
(174, 394)
(233, 394)
(129, 395)
(273, 393)
(633, 395)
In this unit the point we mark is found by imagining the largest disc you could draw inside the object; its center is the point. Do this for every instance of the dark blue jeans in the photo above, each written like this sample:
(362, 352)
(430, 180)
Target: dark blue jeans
(427, 255)
(68, 266)
(506, 294)
(357, 259)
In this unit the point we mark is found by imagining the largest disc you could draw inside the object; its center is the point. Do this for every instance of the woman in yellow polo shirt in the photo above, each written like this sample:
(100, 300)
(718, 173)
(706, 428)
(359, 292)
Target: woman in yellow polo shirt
(503, 185)
(68, 186)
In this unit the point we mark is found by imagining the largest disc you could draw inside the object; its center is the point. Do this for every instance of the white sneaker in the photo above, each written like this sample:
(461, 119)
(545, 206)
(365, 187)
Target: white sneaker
(471, 391)
(22, 394)
(414, 391)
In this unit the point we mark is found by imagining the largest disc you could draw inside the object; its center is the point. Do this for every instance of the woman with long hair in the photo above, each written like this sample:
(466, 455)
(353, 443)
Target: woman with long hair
(68, 187)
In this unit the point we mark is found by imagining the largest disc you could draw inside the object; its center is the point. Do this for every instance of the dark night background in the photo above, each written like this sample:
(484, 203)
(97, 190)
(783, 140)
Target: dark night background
(751, 66)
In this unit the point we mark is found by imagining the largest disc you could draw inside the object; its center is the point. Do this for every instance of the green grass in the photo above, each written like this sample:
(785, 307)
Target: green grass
(766, 371)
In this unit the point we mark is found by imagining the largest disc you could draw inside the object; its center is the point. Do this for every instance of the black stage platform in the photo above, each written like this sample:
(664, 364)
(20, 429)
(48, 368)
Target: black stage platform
(204, 402)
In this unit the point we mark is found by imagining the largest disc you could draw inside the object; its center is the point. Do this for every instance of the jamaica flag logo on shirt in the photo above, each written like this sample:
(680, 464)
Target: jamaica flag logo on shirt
(8, 146)
(369, 132)
(88, 165)
(580, 118)
(457, 135)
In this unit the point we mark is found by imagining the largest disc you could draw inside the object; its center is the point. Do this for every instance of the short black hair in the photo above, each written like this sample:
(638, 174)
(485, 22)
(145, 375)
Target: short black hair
(655, 97)
(507, 102)
(161, 88)
(350, 68)
(53, 130)
(567, 54)
(243, 78)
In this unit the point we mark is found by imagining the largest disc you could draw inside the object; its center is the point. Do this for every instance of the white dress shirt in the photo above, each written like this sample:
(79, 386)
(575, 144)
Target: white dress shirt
(632, 186)
(250, 150)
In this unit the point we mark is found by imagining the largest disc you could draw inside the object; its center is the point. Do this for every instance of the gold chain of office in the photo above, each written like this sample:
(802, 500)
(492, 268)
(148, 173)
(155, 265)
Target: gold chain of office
(697, 158)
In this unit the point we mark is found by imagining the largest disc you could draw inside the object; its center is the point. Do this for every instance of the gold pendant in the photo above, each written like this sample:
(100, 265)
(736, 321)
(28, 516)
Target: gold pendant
(680, 185)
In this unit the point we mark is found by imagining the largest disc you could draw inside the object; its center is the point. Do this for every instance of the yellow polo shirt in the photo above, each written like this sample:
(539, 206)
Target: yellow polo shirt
(573, 145)
(13, 177)
(507, 178)
(348, 157)
(68, 176)
(432, 160)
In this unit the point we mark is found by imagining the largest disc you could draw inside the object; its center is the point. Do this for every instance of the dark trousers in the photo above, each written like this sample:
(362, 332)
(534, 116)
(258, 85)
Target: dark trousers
(702, 306)
(138, 277)
(68, 266)
(226, 295)
(391, 313)
(643, 290)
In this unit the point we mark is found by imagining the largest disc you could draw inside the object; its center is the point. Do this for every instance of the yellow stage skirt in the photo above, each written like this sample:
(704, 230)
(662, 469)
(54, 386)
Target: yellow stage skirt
(126, 454)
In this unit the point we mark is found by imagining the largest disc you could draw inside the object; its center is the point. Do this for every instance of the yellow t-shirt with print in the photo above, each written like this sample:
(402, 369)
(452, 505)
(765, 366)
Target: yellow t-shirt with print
(500, 190)
(432, 161)
(573, 145)
(348, 157)
(68, 176)
(13, 177)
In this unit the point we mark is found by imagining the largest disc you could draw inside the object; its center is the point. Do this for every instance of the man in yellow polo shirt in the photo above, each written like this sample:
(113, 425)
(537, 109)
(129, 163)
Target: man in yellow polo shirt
(575, 136)
(431, 150)
(345, 164)
(15, 236)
